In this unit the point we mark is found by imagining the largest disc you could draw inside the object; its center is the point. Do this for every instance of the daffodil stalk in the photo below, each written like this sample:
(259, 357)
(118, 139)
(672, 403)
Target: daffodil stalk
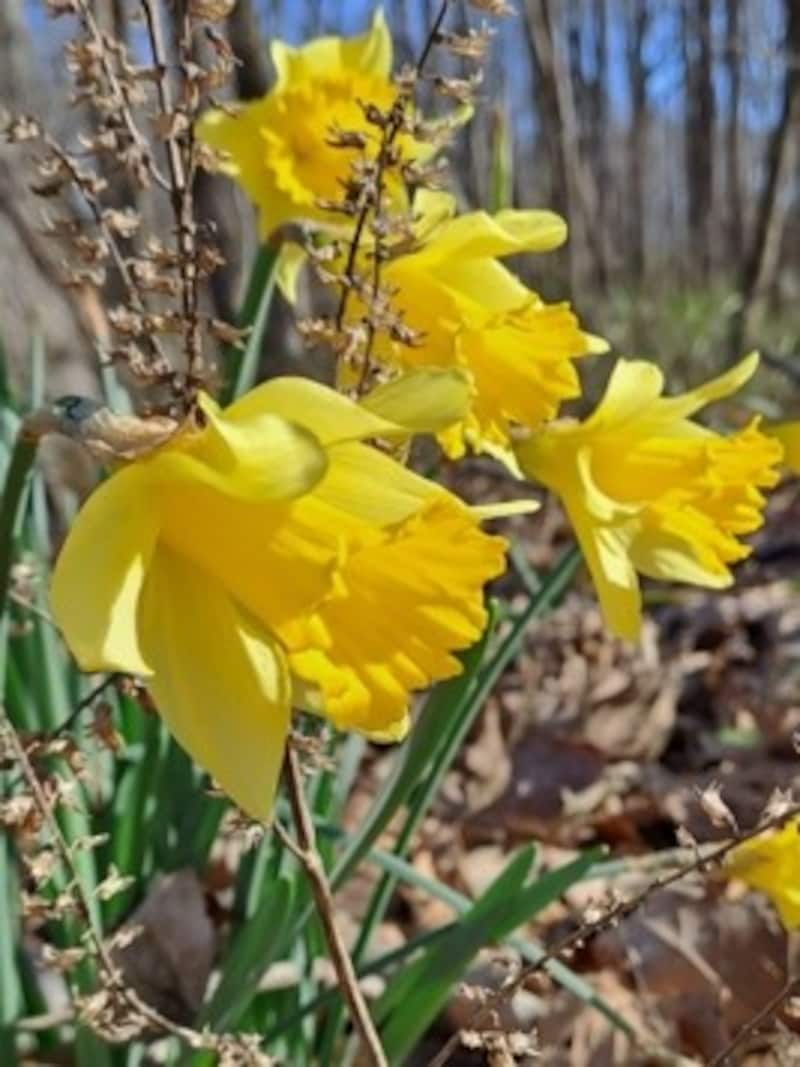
(23, 455)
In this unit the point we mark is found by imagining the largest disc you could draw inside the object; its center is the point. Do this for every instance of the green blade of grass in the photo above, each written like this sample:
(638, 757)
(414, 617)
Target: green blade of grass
(412, 1001)
(133, 812)
(460, 722)
(11, 993)
(406, 872)
(254, 947)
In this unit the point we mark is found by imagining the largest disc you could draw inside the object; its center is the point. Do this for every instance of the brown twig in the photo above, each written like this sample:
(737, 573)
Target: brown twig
(180, 171)
(89, 22)
(389, 134)
(613, 915)
(305, 849)
(757, 1020)
(84, 187)
(87, 701)
(112, 978)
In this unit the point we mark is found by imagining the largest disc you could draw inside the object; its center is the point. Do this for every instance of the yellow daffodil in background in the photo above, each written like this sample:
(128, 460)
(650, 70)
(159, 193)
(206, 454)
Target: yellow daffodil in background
(268, 557)
(771, 864)
(279, 147)
(471, 312)
(648, 490)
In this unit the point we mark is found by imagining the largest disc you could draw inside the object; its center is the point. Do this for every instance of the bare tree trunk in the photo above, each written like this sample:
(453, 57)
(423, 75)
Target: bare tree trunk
(761, 265)
(699, 131)
(638, 133)
(252, 75)
(733, 140)
(601, 132)
(216, 198)
(558, 99)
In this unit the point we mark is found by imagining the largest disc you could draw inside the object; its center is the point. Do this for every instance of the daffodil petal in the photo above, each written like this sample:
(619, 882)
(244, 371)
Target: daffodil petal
(100, 572)
(664, 556)
(392, 733)
(407, 602)
(504, 509)
(276, 559)
(432, 207)
(605, 549)
(596, 346)
(370, 52)
(770, 863)
(330, 416)
(788, 433)
(268, 458)
(633, 385)
(479, 235)
(687, 404)
(309, 698)
(366, 483)
(423, 401)
(219, 681)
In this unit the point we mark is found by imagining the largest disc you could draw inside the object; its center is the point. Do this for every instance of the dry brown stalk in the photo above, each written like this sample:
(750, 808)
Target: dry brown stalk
(371, 194)
(181, 170)
(132, 289)
(305, 849)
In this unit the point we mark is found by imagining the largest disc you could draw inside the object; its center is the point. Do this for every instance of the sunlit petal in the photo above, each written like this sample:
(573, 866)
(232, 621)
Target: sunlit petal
(423, 401)
(218, 680)
(266, 458)
(100, 571)
(369, 52)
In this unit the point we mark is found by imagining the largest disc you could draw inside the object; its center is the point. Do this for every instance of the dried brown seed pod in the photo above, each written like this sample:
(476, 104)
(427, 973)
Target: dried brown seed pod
(211, 10)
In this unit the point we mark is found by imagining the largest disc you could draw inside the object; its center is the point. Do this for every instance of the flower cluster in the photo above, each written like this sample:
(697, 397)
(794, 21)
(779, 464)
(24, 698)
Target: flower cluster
(276, 554)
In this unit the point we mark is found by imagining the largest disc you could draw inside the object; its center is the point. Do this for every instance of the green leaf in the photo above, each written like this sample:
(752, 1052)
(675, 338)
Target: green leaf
(240, 365)
(11, 993)
(455, 723)
(254, 946)
(416, 996)
(501, 177)
(133, 810)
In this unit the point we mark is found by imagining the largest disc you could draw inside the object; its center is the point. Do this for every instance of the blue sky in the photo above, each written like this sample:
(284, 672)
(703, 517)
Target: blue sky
(294, 21)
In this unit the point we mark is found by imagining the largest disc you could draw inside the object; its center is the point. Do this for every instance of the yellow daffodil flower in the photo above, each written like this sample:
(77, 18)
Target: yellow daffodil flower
(270, 558)
(649, 491)
(470, 311)
(279, 147)
(771, 864)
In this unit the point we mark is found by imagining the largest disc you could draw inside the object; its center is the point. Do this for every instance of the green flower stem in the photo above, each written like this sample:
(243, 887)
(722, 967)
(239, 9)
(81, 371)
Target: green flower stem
(240, 362)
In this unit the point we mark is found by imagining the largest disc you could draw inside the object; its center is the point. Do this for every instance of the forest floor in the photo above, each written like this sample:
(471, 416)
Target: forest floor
(589, 740)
